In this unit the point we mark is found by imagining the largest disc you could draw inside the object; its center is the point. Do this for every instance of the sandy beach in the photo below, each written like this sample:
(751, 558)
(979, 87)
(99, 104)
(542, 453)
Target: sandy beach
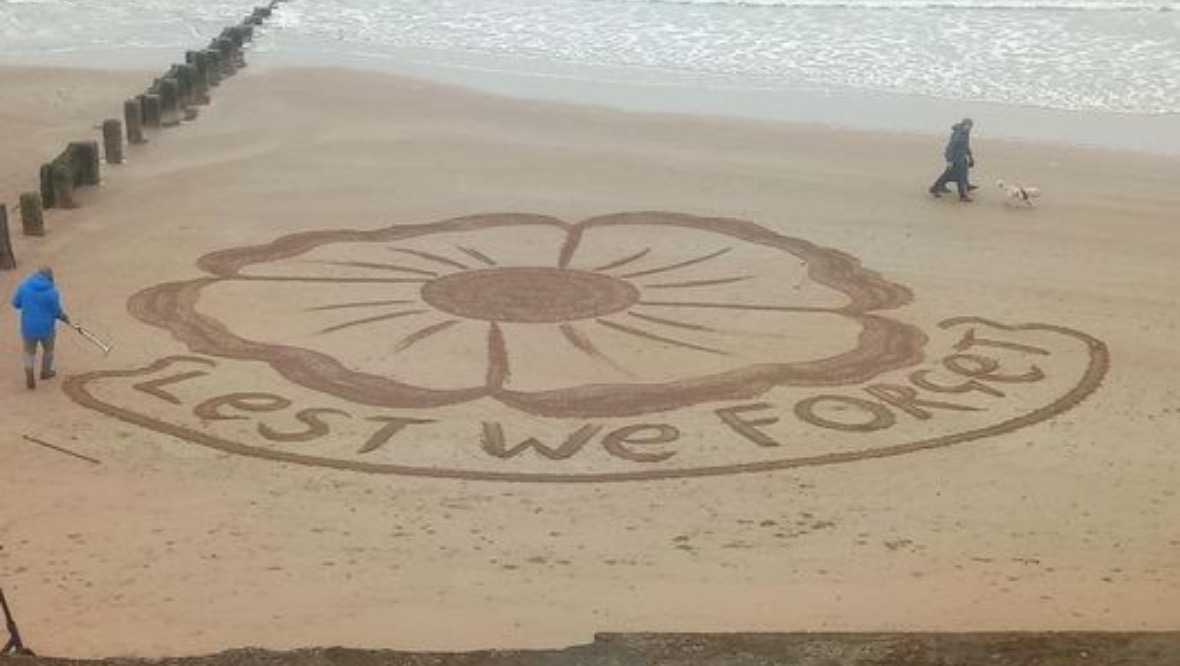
(774, 385)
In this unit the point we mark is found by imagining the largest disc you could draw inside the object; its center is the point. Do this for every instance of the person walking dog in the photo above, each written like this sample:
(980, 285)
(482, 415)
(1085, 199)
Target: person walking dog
(39, 303)
(958, 162)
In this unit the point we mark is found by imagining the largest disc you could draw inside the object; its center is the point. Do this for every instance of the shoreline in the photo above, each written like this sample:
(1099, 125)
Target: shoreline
(78, 98)
(704, 95)
(734, 97)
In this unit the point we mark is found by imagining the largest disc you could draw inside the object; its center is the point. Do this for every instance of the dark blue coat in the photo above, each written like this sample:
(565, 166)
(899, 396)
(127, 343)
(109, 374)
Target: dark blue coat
(39, 305)
(958, 148)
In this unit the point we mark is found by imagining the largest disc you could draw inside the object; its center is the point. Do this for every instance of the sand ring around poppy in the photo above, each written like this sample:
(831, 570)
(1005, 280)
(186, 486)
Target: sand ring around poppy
(1017, 376)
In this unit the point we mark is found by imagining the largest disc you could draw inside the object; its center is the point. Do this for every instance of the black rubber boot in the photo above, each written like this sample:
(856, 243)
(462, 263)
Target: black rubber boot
(30, 381)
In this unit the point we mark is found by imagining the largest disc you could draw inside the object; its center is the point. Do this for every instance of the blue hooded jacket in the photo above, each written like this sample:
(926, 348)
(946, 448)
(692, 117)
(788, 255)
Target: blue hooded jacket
(39, 305)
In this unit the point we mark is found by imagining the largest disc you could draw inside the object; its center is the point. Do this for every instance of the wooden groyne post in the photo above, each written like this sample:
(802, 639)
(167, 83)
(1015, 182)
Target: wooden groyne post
(243, 32)
(237, 36)
(133, 118)
(169, 90)
(184, 85)
(47, 185)
(32, 218)
(259, 15)
(213, 66)
(186, 80)
(61, 186)
(112, 140)
(86, 160)
(153, 110)
(225, 46)
(179, 91)
(7, 260)
(200, 62)
(77, 165)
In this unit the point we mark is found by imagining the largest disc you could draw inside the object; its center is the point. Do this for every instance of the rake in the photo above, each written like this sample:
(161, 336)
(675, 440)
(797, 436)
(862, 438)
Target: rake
(93, 339)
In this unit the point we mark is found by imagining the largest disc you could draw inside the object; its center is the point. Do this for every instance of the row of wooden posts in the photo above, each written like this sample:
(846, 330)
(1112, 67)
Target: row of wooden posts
(170, 99)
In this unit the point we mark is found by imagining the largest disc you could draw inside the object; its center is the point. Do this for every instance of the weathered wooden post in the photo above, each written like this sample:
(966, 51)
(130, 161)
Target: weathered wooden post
(7, 260)
(32, 218)
(187, 77)
(153, 111)
(200, 62)
(234, 34)
(47, 199)
(169, 102)
(190, 58)
(183, 89)
(62, 177)
(86, 159)
(112, 140)
(237, 36)
(133, 118)
(213, 65)
(225, 46)
(215, 46)
(241, 34)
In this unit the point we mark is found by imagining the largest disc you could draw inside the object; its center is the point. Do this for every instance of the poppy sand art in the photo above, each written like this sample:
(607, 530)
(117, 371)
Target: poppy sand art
(629, 346)
(626, 314)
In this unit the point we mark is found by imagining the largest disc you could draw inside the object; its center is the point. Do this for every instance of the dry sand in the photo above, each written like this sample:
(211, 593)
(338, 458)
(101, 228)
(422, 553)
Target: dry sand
(1051, 505)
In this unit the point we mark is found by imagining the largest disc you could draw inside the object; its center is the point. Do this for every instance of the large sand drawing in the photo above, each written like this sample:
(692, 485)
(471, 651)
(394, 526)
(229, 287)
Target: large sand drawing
(618, 315)
(490, 335)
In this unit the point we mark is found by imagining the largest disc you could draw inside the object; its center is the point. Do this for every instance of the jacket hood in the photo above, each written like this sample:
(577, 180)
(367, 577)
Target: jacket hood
(38, 282)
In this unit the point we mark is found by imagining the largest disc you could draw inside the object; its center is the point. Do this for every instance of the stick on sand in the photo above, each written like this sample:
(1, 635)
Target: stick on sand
(61, 450)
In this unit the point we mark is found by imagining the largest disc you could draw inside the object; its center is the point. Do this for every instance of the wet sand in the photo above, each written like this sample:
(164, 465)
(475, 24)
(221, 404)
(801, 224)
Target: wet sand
(177, 544)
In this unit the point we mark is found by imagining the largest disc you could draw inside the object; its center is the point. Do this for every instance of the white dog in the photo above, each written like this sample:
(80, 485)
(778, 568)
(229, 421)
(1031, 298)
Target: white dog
(1018, 194)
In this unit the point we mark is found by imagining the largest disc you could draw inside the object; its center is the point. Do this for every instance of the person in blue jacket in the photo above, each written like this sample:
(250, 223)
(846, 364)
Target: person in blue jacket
(958, 162)
(39, 303)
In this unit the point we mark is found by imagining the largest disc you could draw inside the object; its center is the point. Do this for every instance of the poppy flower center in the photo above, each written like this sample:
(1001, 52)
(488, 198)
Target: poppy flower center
(529, 295)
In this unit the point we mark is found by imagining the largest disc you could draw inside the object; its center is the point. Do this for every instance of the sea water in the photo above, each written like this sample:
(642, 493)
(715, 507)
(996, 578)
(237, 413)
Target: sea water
(1108, 56)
